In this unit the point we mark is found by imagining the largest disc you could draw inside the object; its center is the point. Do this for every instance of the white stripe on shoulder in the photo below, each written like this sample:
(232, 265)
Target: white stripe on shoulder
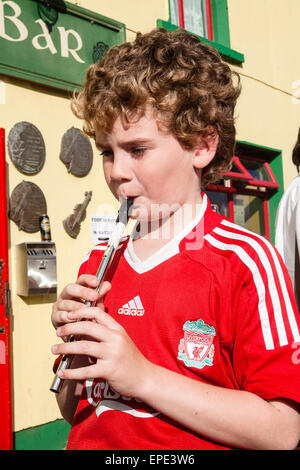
(103, 248)
(262, 308)
(287, 300)
(271, 282)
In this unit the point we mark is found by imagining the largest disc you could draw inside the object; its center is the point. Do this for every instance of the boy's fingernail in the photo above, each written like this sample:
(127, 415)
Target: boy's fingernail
(58, 331)
(54, 349)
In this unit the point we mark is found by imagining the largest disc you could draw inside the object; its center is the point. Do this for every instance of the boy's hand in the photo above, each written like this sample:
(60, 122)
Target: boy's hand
(74, 295)
(118, 360)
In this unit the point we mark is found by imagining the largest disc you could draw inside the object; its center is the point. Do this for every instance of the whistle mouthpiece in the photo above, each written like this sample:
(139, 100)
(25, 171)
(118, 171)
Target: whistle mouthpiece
(124, 211)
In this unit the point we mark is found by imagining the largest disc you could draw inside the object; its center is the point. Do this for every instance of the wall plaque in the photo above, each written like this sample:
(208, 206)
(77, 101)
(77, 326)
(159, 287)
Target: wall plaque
(27, 203)
(26, 148)
(76, 152)
(73, 222)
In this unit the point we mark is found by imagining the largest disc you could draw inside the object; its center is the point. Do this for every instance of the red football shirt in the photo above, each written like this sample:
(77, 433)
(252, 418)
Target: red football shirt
(215, 304)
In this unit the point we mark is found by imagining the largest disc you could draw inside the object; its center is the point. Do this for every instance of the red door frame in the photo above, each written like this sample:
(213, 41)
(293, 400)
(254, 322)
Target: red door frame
(6, 434)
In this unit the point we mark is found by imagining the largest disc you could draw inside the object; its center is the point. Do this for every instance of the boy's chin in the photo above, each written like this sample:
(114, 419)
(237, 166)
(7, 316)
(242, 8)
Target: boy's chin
(139, 214)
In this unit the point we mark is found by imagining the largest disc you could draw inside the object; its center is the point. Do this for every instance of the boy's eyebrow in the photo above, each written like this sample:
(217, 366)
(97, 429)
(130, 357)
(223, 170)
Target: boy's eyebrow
(125, 143)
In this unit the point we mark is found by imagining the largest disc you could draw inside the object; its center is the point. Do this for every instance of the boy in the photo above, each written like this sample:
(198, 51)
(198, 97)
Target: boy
(194, 335)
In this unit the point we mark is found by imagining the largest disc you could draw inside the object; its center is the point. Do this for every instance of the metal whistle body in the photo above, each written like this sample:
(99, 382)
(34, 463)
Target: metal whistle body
(107, 257)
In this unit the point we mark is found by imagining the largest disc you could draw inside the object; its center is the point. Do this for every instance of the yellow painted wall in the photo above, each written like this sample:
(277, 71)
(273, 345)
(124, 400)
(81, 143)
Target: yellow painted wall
(138, 15)
(266, 31)
(32, 333)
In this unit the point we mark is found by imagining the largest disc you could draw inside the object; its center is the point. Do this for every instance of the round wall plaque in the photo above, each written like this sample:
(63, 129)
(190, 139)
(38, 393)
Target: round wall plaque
(76, 152)
(27, 203)
(26, 148)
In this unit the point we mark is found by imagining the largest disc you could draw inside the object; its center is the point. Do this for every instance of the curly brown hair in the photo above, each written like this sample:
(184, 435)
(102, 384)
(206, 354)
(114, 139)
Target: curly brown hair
(191, 90)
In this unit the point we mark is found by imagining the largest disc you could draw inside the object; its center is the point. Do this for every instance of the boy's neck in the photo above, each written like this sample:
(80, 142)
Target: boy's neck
(152, 236)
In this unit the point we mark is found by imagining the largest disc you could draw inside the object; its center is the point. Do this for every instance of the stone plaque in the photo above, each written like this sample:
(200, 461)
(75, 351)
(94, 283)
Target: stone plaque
(26, 148)
(27, 203)
(76, 152)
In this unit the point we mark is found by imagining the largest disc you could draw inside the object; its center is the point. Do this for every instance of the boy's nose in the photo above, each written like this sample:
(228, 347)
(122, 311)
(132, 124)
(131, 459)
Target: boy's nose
(120, 170)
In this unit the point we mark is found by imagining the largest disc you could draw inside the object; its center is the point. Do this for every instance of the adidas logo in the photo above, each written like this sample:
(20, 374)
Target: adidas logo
(133, 307)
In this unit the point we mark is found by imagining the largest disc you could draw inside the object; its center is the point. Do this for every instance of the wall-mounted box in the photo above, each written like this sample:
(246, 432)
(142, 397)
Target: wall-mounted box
(36, 268)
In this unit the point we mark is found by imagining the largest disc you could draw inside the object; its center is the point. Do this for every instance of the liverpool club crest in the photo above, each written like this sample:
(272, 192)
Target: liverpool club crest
(196, 348)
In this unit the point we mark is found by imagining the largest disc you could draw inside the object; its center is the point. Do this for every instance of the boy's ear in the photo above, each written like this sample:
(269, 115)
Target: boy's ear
(205, 150)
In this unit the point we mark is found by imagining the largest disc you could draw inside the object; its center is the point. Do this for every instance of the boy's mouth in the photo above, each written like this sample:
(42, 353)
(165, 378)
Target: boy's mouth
(128, 196)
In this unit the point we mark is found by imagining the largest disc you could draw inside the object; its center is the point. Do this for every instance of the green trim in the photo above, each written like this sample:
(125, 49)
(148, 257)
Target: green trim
(37, 77)
(50, 436)
(219, 9)
(274, 158)
(276, 167)
(268, 152)
(228, 54)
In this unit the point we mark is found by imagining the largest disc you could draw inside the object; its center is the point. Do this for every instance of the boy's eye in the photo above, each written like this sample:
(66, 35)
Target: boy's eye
(106, 153)
(134, 151)
(138, 151)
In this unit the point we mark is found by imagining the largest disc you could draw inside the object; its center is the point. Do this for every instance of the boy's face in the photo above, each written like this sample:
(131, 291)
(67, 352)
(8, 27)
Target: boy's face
(143, 162)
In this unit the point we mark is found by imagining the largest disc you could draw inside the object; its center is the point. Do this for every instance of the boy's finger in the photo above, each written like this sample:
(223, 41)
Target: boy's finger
(77, 291)
(68, 305)
(82, 347)
(96, 314)
(81, 373)
(87, 280)
(104, 288)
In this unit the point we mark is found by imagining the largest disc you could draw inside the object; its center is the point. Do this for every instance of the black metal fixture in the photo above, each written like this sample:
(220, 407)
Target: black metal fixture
(99, 50)
(48, 11)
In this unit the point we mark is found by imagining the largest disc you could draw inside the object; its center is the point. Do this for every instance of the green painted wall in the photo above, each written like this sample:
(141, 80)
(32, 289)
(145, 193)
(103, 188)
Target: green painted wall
(50, 436)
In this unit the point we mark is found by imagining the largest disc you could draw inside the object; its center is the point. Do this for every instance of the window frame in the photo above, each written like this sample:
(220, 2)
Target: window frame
(270, 192)
(247, 177)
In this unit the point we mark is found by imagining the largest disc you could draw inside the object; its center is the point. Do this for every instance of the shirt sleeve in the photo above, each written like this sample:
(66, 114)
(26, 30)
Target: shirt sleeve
(266, 353)
(297, 229)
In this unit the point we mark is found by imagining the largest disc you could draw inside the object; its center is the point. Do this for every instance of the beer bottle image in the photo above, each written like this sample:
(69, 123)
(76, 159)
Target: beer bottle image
(45, 228)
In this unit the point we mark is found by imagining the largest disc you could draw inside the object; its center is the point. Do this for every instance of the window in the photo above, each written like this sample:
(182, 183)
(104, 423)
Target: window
(249, 193)
(206, 18)
(193, 15)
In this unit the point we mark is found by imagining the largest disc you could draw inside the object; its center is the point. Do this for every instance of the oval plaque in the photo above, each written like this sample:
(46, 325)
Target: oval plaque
(76, 152)
(26, 148)
(27, 203)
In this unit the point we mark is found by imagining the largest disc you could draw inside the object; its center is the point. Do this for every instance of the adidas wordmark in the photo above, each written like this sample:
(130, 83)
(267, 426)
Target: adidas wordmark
(133, 307)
